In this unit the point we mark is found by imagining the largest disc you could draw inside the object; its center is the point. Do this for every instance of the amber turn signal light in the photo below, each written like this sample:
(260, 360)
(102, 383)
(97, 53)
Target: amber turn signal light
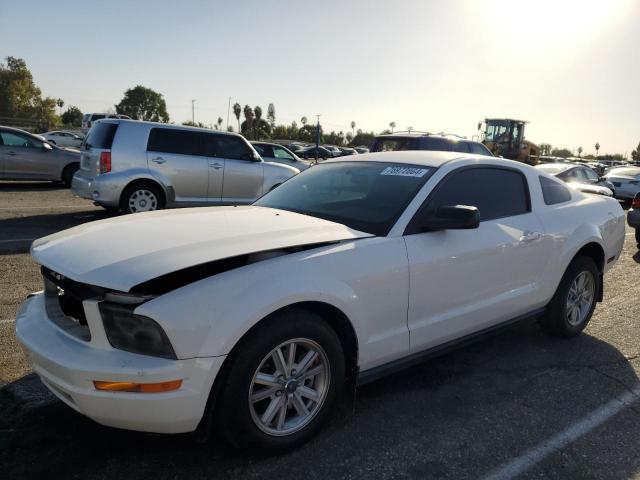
(138, 387)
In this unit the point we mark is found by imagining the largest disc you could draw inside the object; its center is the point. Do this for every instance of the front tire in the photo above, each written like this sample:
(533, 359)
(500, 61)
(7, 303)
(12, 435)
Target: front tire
(68, 173)
(573, 304)
(282, 383)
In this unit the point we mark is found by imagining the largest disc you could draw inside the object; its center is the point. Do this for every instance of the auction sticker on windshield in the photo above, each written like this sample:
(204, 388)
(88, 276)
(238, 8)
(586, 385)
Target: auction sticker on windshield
(404, 171)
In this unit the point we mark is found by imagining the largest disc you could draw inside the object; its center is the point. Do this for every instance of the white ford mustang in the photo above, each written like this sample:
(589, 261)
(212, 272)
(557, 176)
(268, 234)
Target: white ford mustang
(252, 319)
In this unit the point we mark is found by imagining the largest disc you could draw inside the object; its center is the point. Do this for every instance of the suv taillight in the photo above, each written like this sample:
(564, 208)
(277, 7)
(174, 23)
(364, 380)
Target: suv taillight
(105, 162)
(636, 202)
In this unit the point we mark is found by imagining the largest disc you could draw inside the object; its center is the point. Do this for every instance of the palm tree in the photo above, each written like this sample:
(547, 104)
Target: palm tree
(353, 128)
(60, 104)
(303, 121)
(271, 115)
(237, 110)
(392, 125)
(579, 151)
(248, 120)
(597, 145)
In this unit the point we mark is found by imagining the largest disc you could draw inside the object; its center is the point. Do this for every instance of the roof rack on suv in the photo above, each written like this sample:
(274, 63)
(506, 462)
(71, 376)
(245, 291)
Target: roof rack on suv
(409, 132)
(451, 135)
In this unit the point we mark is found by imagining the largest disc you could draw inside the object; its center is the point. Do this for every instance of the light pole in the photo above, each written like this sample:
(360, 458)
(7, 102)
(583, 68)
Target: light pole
(193, 114)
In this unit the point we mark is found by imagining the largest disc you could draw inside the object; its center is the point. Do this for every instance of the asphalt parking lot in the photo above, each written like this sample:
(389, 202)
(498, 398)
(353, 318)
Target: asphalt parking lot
(516, 405)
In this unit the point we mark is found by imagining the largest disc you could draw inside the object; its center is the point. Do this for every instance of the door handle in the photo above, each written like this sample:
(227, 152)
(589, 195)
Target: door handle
(528, 237)
(158, 160)
(217, 166)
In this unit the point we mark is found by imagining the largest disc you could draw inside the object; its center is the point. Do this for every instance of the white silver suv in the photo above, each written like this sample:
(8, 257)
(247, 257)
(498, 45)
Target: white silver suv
(140, 166)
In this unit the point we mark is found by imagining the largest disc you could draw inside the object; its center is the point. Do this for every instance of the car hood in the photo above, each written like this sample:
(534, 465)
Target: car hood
(122, 252)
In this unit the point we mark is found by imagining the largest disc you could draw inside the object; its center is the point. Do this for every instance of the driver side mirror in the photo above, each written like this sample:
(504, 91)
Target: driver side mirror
(454, 217)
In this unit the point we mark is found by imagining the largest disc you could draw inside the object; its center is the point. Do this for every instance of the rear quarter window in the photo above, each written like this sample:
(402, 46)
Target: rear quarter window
(182, 142)
(553, 191)
(101, 135)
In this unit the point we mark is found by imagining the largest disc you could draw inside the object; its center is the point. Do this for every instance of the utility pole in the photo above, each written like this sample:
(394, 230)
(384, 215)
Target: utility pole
(317, 136)
(228, 110)
(193, 114)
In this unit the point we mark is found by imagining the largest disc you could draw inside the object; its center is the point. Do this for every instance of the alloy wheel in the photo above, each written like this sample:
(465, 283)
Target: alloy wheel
(289, 387)
(580, 298)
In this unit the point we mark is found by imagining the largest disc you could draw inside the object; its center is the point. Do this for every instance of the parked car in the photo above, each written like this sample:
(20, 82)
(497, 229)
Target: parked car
(361, 149)
(427, 141)
(89, 118)
(348, 151)
(63, 139)
(314, 152)
(633, 217)
(580, 177)
(334, 150)
(626, 181)
(253, 319)
(140, 166)
(24, 156)
(273, 152)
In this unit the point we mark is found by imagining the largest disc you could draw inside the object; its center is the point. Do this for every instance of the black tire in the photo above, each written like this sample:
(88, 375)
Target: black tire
(233, 414)
(638, 237)
(68, 173)
(556, 321)
(154, 194)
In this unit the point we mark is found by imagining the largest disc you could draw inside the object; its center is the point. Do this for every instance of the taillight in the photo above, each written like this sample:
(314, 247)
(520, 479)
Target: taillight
(105, 162)
(636, 202)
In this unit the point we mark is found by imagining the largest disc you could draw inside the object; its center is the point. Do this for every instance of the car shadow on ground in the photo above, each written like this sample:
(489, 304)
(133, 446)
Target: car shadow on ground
(17, 233)
(29, 186)
(457, 416)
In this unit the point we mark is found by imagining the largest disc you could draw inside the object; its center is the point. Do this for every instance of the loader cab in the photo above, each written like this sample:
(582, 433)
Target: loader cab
(504, 136)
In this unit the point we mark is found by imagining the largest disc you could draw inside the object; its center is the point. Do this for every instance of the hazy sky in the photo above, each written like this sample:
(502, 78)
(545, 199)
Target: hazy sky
(570, 67)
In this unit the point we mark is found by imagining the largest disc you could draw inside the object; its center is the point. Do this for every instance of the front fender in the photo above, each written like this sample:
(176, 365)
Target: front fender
(365, 279)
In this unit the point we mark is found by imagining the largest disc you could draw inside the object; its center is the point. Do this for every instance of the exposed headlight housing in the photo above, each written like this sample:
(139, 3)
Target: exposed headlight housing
(134, 333)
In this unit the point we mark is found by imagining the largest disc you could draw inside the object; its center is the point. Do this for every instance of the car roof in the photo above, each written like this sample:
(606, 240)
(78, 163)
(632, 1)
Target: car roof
(557, 167)
(450, 137)
(428, 158)
(165, 125)
(17, 130)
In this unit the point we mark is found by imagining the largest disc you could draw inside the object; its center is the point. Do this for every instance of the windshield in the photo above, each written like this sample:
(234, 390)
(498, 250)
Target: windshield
(365, 196)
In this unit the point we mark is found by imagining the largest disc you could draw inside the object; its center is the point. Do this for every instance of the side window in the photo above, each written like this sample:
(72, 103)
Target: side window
(590, 174)
(495, 192)
(183, 142)
(10, 139)
(265, 150)
(553, 191)
(228, 146)
(282, 153)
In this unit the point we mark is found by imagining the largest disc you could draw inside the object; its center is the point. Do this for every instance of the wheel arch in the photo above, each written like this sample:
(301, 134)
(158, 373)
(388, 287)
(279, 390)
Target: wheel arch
(595, 251)
(140, 181)
(67, 166)
(334, 317)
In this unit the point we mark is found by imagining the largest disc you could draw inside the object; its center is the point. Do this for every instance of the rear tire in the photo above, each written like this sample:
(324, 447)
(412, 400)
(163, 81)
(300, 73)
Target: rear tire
(68, 173)
(575, 299)
(142, 197)
(242, 411)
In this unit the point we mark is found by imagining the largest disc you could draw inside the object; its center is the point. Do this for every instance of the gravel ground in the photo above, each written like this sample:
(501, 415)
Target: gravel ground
(461, 415)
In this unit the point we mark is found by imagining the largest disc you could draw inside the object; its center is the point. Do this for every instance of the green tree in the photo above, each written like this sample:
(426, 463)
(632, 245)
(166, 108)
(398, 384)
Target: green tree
(246, 128)
(21, 98)
(561, 152)
(237, 110)
(219, 123)
(597, 147)
(363, 138)
(635, 155)
(189, 123)
(303, 121)
(72, 117)
(142, 103)
(545, 149)
(579, 151)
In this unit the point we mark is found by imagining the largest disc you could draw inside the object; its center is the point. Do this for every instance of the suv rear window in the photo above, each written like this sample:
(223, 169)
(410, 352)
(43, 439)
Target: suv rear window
(98, 116)
(394, 144)
(101, 135)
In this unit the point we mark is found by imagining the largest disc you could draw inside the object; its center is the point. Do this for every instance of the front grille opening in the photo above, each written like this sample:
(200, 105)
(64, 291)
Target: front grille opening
(72, 307)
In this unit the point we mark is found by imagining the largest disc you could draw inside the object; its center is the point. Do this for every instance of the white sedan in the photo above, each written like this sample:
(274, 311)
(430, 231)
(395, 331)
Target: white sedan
(252, 319)
(63, 139)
